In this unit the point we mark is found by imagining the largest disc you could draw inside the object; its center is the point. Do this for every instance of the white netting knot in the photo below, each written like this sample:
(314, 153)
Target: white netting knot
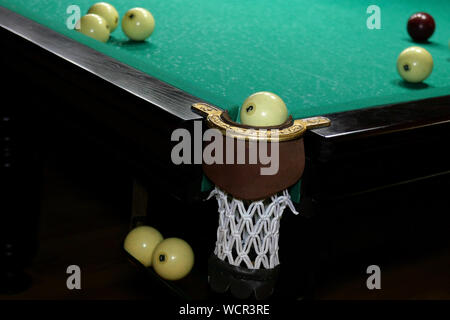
(250, 235)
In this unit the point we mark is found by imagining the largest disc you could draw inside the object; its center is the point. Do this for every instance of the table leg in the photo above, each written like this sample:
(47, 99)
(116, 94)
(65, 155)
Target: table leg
(139, 204)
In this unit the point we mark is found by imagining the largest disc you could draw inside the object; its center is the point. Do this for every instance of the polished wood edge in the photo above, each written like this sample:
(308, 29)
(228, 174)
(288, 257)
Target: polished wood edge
(386, 119)
(155, 92)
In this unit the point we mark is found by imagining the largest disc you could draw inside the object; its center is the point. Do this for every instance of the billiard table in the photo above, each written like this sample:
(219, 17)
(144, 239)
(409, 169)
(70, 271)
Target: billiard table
(383, 158)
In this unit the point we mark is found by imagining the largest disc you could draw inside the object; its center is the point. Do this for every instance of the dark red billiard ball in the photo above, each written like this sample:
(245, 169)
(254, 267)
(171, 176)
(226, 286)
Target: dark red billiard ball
(421, 26)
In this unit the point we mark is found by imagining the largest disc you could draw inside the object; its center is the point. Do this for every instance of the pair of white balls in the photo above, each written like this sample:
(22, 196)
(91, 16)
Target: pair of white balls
(171, 258)
(102, 19)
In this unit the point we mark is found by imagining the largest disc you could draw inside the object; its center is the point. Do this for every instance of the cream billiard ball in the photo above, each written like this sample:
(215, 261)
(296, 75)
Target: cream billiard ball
(95, 27)
(141, 243)
(138, 24)
(414, 64)
(263, 109)
(173, 259)
(108, 12)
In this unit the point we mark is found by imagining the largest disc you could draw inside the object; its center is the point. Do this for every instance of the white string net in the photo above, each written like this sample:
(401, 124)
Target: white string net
(249, 236)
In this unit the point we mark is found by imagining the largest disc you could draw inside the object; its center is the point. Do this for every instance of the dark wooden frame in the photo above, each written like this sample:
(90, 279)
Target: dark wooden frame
(132, 114)
(149, 96)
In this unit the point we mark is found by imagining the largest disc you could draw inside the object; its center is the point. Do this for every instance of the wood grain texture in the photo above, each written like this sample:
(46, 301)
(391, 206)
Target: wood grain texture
(154, 91)
(386, 119)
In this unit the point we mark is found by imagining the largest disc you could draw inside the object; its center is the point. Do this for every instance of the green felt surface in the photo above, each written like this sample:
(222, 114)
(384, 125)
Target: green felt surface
(318, 56)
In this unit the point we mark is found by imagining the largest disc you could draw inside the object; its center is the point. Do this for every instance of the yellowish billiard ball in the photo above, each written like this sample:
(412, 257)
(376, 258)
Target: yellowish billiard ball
(94, 26)
(263, 109)
(108, 12)
(173, 259)
(138, 24)
(141, 243)
(414, 64)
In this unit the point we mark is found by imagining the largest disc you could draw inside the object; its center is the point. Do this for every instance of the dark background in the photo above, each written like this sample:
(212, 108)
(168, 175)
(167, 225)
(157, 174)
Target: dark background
(69, 196)
(85, 214)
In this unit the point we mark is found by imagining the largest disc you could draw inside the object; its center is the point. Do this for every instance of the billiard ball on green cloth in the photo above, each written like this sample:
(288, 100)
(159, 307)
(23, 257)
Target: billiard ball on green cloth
(94, 26)
(421, 26)
(138, 24)
(263, 109)
(414, 64)
(108, 12)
